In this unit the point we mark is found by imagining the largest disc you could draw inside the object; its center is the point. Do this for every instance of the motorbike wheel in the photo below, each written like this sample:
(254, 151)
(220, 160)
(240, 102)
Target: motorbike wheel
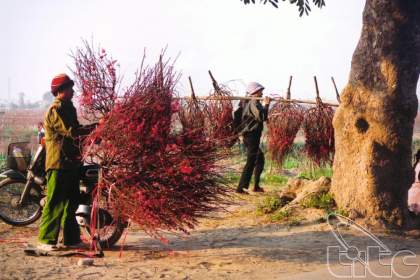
(108, 235)
(14, 214)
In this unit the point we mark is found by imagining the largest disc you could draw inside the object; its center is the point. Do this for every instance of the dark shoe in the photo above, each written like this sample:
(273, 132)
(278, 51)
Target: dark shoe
(258, 189)
(241, 191)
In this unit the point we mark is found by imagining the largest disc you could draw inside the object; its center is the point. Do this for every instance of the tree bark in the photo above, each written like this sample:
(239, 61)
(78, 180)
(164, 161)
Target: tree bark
(374, 122)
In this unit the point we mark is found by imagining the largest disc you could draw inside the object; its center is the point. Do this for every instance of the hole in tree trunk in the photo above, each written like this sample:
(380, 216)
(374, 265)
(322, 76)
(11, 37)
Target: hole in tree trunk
(362, 125)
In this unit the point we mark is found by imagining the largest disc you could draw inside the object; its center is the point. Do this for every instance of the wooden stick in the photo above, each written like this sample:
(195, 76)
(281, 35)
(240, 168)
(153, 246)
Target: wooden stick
(336, 90)
(289, 94)
(192, 88)
(160, 69)
(215, 84)
(279, 99)
(316, 87)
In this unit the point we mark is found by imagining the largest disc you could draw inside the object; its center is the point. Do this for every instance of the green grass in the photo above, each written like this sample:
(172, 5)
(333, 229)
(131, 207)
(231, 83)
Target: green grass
(320, 201)
(340, 211)
(291, 162)
(273, 179)
(2, 162)
(415, 146)
(232, 177)
(314, 173)
(295, 160)
(295, 157)
(269, 204)
(280, 215)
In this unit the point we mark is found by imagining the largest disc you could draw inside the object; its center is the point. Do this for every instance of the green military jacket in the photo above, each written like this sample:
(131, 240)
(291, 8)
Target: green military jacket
(61, 128)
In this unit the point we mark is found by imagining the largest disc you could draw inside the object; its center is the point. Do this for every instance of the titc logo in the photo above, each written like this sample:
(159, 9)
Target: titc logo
(376, 261)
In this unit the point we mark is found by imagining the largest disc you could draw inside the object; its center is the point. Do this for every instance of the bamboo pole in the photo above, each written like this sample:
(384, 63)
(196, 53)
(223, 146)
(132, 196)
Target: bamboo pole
(214, 82)
(336, 90)
(317, 89)
(192, 88)
(278, 99)
(288, 93)
(288, 98)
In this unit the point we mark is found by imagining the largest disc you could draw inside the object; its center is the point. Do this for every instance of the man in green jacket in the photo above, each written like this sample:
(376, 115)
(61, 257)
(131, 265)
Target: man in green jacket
(63, 161)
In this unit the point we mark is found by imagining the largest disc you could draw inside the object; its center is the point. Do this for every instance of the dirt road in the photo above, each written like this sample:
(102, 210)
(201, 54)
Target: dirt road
(234, 245)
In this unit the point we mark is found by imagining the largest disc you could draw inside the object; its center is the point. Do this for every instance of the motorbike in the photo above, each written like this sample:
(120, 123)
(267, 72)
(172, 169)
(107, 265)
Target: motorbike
(23, 194)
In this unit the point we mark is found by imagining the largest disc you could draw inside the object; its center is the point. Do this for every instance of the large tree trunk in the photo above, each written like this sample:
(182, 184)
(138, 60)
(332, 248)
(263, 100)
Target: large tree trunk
(374, 123)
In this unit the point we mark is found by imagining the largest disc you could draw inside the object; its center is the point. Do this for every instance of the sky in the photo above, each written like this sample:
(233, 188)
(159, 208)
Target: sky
(238, 43)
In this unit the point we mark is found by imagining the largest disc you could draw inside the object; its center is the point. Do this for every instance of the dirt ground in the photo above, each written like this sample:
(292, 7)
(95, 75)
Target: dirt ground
(234, 245)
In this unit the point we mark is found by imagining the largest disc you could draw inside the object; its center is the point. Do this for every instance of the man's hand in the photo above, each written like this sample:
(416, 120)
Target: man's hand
(266, 101)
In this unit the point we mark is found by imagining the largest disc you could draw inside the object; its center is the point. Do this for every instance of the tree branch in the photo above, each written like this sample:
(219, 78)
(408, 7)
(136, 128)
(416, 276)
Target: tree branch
(303, 5)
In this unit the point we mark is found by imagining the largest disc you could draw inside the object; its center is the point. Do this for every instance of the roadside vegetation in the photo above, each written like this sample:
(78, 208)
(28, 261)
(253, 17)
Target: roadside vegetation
(2, 162)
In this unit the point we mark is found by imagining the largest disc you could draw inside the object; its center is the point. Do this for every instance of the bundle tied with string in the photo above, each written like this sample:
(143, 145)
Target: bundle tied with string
(319, 133)
(285, 119)
(192, 114)
(220, 116)
(158, 177)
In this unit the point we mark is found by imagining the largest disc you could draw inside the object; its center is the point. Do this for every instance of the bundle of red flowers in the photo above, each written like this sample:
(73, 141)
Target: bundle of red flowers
(159, 177)
(220, 117)
(192, 114)
(319, 133)
(97, 80)
(285, 120)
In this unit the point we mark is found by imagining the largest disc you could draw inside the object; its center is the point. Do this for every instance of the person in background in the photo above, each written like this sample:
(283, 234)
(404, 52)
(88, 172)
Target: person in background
(41, 132)
(413, 200)
(253, 116)
(63, 161)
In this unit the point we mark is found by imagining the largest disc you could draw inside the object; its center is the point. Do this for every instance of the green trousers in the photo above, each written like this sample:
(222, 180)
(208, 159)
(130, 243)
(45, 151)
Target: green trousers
(59, 211)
